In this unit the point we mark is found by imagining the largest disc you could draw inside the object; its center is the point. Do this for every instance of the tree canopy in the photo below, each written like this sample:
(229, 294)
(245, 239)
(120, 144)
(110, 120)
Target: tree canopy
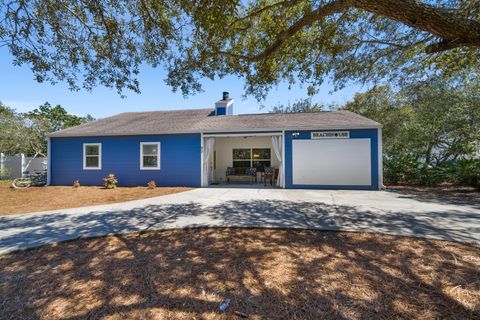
(26, 132)
(431, 130)
(263, 41)
(56, 118)
(301, 105)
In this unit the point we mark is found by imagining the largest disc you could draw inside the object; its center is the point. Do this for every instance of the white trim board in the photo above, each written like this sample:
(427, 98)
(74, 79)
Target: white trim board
(283, 160)
(380, 158)
(227, 135)
(99, 156)
(201, 160)
(49, 162)
(253, 131)
(142, 167)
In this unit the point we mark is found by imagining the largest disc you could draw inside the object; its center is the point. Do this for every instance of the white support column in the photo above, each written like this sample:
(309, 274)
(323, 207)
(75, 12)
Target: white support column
(380, 159)
(201, 159)
(49, 174)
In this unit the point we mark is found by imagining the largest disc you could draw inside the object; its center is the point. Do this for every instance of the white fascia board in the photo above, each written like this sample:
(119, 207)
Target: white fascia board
(222, 131)
(246, 134)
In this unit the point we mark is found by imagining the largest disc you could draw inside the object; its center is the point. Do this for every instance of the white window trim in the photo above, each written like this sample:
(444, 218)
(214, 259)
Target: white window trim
(141, 156)
(85, 145)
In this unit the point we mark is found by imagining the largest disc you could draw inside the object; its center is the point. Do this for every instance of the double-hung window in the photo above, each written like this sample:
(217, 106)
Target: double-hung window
(150, 155)
(92, 156)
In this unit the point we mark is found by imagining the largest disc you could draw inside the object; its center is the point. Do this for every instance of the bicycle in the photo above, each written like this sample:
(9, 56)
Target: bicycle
(37, 178)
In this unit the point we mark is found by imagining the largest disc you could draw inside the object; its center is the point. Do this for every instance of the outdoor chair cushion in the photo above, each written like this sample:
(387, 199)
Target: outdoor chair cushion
(241, 171)
(251, 172)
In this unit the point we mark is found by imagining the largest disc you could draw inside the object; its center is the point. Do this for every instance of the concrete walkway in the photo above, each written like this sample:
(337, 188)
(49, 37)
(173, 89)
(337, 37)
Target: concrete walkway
(374, 211)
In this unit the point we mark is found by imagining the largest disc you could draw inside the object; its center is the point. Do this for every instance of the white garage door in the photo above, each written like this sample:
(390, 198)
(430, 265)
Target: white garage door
(332, 162)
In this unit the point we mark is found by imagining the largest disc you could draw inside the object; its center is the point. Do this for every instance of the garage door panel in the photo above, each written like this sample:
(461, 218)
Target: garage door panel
(332, 162)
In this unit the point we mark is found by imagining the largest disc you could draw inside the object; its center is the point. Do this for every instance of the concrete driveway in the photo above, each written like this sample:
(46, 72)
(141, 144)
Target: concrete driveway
(372, 211)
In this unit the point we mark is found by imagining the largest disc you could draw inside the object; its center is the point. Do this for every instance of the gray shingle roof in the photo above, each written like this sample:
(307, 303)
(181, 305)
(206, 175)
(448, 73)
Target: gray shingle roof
(203, 120)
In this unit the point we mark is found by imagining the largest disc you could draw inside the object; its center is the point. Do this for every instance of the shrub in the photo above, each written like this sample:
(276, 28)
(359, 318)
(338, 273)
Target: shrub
(400, 168)
(151, 184)
(466, 172)
(407, 170)
(76, 183)
(110, 181)
(4, 174)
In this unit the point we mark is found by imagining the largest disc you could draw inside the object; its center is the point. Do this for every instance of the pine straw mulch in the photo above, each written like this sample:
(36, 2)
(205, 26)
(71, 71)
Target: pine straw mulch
(33, 199)
(452, 193)
(267, 274)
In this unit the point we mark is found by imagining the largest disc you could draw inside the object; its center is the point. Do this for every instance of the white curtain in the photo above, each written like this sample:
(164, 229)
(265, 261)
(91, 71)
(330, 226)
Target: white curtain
(207, 154)
(277, 148)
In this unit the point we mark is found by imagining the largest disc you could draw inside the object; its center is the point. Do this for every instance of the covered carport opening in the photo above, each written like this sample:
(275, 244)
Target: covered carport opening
(242, 150)
(333, 159)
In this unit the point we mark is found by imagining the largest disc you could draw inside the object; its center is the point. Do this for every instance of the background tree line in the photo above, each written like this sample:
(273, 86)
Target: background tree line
(27, 132)
(431, 129)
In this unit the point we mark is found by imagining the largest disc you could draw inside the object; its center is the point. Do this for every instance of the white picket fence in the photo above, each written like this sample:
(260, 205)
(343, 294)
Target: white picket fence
(12, 167)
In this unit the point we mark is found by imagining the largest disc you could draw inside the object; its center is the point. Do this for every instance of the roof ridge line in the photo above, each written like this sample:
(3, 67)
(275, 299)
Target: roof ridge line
(173, 110)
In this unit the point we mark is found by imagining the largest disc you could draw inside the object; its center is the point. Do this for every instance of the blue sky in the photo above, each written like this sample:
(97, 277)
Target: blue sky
(20, 91)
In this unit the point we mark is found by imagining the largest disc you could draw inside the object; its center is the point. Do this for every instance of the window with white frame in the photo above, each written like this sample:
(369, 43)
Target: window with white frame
(150, 155)
(258, 158)
(92, 156)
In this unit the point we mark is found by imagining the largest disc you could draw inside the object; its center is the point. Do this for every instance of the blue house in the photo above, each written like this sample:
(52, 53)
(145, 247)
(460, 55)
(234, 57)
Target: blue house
(201, 147)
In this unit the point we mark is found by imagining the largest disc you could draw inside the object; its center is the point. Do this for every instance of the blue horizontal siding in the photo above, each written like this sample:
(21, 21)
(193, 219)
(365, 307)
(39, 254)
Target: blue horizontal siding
(371, 134)
(179, 165)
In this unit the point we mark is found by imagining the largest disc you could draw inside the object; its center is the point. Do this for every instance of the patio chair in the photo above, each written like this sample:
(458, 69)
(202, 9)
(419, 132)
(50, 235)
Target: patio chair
(269, 173)
(252, 172)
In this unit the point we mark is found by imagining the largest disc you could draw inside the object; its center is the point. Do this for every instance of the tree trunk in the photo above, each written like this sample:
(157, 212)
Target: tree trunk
(453, 29)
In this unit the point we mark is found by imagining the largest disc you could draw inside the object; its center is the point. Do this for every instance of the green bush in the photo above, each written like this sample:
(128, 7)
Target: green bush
(400, 168)
(4, 174)
(406, 170)
(466, 172)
